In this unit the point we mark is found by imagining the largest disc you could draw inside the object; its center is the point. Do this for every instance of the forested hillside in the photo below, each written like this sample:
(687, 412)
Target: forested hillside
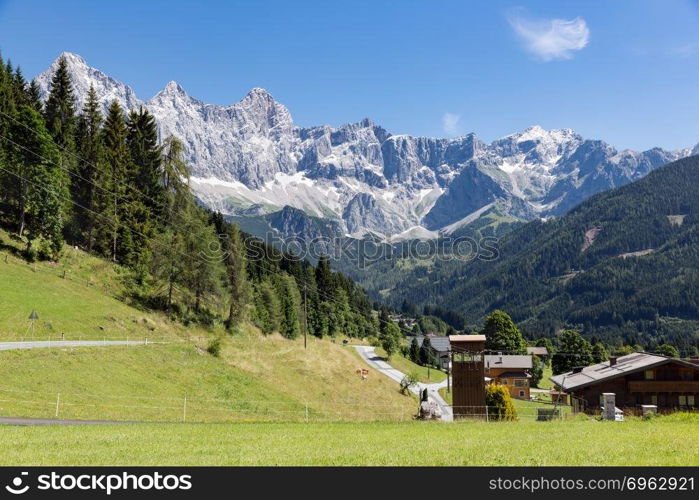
(111, 186)
(622, 267)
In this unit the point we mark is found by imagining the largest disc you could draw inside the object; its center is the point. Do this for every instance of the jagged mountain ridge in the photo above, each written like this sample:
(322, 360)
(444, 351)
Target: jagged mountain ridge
(250, 158)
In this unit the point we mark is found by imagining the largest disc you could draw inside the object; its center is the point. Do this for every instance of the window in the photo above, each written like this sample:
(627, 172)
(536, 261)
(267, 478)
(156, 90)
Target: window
(521, 394)
(650, 375)
(520, 383)
(504, 381)
(690, 400)
(683, 400)
(654, 399)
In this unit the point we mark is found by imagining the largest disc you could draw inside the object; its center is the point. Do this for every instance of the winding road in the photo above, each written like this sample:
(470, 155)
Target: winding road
(369, 355)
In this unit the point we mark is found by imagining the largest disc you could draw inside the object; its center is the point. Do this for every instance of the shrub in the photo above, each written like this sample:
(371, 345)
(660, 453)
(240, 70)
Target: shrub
(407, 382)
(499, 403)
(214, 347)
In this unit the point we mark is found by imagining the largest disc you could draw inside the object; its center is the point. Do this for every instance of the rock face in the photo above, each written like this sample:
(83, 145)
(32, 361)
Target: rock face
(250, 158)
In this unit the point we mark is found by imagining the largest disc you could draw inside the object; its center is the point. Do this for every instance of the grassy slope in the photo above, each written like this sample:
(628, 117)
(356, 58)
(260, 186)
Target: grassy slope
(124, 383)
(83, 305)
(664, 441)
(406, 366)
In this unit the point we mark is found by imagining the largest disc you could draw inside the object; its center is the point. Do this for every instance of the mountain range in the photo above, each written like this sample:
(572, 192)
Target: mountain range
(250, 159)
(622, 266)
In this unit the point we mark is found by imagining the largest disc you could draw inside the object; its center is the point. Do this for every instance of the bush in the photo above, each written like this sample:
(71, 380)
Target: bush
(499, 403)
(408, 381)
(214, 347)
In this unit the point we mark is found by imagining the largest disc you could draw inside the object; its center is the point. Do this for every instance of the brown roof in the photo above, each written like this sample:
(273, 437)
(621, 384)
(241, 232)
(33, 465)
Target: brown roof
(602, 371)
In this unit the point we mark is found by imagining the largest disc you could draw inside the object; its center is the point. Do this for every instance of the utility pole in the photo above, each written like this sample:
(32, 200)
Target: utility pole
(305, 316)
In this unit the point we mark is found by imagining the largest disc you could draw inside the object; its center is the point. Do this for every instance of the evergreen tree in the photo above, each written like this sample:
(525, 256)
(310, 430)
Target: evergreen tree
(34, 96)
(89, 147)
(573, 351)
(40, 193)
(114, 238)
(325, 279)
(60, 119)
(175, 172)
(426, 355)
(60, 108)
(290, 305)
(203, 270)
(502, 335)
(599, 353)
(414, 353)
(167, 264)
(146, 160)
(236, 273)
(268, 313)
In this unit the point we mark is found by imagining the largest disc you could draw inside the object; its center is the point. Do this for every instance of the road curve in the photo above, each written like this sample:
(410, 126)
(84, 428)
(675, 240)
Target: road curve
(369, 355)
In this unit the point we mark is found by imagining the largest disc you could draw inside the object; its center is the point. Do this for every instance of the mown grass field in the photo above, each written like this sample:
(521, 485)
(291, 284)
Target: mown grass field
(664, 441)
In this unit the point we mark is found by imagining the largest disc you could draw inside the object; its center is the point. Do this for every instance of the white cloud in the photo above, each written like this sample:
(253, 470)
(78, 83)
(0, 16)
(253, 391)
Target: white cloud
(551, 39)
(450, 123)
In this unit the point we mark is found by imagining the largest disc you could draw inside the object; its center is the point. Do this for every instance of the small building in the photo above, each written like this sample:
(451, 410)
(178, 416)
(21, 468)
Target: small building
(542, 352)
(511, 372)
(468, 375)
(559, 397)
(636, 379)
(441, 347)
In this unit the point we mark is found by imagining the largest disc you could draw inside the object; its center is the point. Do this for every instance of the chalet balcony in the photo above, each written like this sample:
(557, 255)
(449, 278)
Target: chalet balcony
(664, 386)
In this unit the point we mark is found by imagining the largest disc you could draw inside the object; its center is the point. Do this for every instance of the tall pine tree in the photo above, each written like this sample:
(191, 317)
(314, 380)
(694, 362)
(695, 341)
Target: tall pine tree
(112, 237)
(90, 163)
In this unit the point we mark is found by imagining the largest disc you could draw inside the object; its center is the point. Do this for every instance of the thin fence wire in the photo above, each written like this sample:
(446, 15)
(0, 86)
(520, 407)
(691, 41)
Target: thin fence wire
(92, 407)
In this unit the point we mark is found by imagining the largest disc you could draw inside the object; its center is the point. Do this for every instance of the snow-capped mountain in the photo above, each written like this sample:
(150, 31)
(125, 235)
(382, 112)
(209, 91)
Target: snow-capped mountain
(250, 159)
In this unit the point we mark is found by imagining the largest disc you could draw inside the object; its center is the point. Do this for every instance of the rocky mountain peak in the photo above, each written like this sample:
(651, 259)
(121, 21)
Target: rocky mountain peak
(251, 156)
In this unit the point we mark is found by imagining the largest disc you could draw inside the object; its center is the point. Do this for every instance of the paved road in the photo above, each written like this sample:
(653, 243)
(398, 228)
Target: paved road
(6, 346)
(369, 355)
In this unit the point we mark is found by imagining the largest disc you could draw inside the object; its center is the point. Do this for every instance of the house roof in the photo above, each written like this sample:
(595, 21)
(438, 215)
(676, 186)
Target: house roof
(539, 351)
(513, 374)
(467, 338)
(439, 344)
(522, 362)
(602, 371)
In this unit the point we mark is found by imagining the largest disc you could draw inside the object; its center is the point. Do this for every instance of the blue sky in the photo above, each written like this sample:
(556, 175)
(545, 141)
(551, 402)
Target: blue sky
(625, 72)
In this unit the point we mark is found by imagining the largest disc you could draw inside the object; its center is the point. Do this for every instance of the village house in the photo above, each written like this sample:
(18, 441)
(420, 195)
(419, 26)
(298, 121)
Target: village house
(542, 352)
(511, 372)
(441, 347)
(636, 379)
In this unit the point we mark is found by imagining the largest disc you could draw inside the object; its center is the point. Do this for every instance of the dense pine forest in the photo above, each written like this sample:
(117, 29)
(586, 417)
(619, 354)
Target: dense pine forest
(112, 187)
